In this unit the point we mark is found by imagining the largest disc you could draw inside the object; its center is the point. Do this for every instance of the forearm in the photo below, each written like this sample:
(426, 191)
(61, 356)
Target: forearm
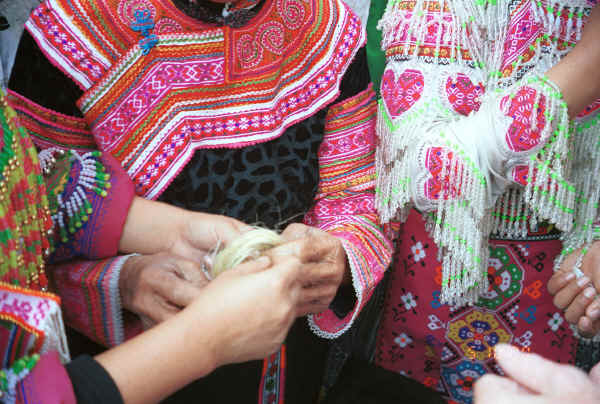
(183, 350)
(151, 227)
(577, 75)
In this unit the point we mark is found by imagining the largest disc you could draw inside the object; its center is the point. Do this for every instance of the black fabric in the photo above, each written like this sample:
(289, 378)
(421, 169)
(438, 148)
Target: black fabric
(587, 354)
(34, 77)
(238, 383)
(271, 183)
(4, 25)
(364, 383)
(212, 13)
(91, 382)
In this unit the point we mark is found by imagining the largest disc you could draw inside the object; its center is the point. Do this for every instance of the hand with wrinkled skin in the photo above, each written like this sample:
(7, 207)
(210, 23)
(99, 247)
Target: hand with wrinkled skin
(156, 287)
(577, 297)
(153, 227)
(324, 265)
(243, 314)
(532, 379)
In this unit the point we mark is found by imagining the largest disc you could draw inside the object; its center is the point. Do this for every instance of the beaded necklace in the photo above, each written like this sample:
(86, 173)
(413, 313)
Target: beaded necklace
(25, 223)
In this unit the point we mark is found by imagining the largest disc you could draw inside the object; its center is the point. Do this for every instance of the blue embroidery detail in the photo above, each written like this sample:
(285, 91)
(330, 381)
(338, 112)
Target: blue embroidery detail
(529, 314)
(144, 25)
(435, 303)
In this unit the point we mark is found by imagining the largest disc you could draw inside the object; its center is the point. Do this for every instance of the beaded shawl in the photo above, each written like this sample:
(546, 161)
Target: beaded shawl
(474, 135)
(44, 202)
(160, 85)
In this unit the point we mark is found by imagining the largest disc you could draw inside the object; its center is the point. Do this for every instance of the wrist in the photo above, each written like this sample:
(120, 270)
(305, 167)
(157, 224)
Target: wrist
(127, 271)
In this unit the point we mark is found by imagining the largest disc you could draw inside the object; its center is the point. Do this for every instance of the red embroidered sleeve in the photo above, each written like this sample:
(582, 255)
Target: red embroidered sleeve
(91, 301)
(345, 202)
(47, 383)
(89, 289)
(89, 192)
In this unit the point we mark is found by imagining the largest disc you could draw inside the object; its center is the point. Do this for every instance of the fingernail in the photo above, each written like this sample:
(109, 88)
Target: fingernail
(569, 276)
(589, 293)
(581, 282)
(585, 324)
(593, 310)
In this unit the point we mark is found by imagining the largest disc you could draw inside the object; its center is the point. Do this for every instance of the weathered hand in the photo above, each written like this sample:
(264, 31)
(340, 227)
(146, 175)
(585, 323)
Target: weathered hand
(324, 265)
(577, 297)
(532, 379)
(156, 287)
(200, 234)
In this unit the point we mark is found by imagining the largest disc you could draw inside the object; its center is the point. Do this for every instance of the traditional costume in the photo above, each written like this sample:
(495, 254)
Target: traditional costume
(261, 111)
(51, 207)
(475, 137)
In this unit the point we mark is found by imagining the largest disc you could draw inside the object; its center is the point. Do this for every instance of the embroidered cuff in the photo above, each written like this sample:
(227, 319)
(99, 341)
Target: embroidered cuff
(91, 298)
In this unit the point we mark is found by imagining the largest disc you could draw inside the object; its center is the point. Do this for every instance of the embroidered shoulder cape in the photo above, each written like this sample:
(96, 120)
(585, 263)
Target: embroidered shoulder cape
(159, 85)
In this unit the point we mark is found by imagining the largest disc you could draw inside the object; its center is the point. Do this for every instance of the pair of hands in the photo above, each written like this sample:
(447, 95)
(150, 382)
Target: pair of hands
(578, 297)
(158, 286)
(532, 379)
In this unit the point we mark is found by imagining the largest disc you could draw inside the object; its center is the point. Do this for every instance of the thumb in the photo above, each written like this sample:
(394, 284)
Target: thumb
(253, 266)
(595, 374)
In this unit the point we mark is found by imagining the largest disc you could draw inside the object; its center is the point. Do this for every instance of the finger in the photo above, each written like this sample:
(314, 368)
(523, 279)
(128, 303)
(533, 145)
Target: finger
(591, 264)
(253, 266)
(231, 230)
(322, 274)
(312, 248)
(584, 326)
(320, 294)
(536, 373)
(593, 310)
(587, 327)
(565, 297)
(579, 305)
(178, 292)
(313, 308)
(492, 389)
(156, 310)
(559, 280)
(191, 272)
(296, 231)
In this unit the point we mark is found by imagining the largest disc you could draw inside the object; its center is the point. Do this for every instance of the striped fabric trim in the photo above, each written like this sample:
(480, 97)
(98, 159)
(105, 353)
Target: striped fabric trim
(91, 300)
(49, 128)
(272, 382)
(345, 203)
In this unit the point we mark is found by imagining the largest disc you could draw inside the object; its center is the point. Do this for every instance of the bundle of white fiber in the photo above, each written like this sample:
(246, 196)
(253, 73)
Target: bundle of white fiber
(248, 246)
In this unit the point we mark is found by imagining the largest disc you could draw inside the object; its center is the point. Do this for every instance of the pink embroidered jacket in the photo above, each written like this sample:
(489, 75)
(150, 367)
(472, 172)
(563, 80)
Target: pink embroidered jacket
(153, 137)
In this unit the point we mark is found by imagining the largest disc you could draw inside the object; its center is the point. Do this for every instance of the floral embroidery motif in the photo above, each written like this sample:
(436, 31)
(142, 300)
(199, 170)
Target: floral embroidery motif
(418, 251)
(555, 321)
(478, 334)
(167, 26)
(409, 301)
(128, 8)
(461, 380)
(263, 47)
(504, 279)
(403, 340)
